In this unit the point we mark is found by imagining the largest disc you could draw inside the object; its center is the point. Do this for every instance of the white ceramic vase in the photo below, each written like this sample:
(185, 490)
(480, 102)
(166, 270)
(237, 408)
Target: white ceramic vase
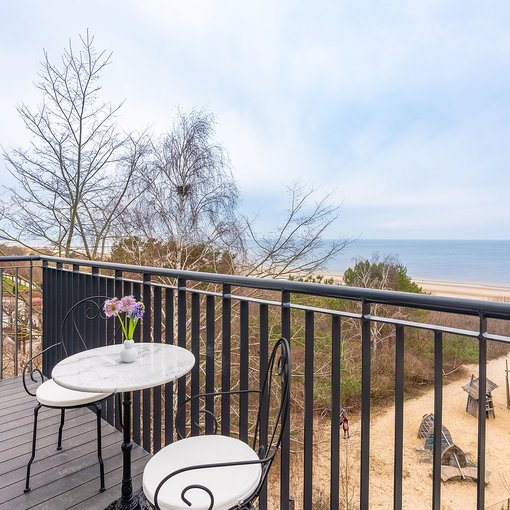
(128, 352)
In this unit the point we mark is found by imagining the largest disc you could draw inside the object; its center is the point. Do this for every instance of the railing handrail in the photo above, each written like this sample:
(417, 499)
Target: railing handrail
(474, 307)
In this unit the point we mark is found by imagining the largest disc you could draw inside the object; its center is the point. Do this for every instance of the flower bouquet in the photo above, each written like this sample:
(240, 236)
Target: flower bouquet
(129, 311)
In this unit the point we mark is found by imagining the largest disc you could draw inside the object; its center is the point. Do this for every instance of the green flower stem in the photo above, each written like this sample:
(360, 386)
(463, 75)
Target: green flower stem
(123, 326)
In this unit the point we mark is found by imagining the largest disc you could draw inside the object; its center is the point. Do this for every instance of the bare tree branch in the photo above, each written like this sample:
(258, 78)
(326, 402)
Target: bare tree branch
(75, 179)
(297, 247)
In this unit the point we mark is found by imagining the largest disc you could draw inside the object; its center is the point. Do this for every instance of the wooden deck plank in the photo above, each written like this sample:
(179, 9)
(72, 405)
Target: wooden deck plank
(45, 424)
(15, 395)
(84, 483)
(71, 499)
(14, 400)
(50, 458)
(17, 416)
(5, 383)
(23, 416)
(19, 456)
(60, 480)
(48, 439)
(18, 404)
(46, 418)
(103, 500)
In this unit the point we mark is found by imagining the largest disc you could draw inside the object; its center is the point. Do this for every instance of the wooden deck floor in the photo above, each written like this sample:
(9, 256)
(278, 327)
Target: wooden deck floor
(60, 480)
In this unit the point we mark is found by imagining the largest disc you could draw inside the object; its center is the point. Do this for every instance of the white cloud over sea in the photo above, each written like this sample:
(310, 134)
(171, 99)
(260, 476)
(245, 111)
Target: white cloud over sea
(401, 108)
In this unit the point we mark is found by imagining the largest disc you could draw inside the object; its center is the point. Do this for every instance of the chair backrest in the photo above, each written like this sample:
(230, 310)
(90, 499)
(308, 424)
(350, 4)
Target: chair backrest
(76, 320)
(270, 429)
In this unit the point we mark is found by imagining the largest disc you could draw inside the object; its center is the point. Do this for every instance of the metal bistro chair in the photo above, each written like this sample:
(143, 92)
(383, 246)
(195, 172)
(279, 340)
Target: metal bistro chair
(50, 394)
(218, 472)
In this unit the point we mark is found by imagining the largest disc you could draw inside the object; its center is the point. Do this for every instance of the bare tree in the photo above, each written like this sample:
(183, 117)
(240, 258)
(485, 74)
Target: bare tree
(385, 273)
(296, 246)
(75, 180)
(188, 217)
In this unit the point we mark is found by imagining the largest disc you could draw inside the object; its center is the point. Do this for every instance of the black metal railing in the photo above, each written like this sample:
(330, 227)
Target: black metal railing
(229, 323)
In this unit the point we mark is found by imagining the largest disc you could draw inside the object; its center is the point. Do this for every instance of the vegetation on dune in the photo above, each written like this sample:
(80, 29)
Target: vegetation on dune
(383, 274)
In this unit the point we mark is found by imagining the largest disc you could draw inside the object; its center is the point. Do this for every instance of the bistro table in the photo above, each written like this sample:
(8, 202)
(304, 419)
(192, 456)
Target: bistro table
(100, 370)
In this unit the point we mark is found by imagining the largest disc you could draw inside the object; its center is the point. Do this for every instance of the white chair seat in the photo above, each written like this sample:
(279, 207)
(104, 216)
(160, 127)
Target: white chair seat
(229, 485)
(49, 393)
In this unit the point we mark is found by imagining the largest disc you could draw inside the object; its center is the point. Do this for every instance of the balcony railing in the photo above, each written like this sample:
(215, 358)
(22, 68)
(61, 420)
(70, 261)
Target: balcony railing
(229, 322)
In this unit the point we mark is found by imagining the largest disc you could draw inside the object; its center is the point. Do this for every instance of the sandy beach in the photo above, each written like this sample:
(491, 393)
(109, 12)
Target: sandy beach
(452, 289)
(417, 468)
(465, 290)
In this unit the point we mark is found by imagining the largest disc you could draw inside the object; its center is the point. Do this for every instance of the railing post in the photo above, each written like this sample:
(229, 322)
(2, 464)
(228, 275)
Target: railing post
(209, 362)
(146, 325)
(195, 371)
(482, 415)
(336, 357)
(264, 410)
(30, 312)
(157, 417)
(438, 420)
(118, 285)
(226, 310)
(365, 405)
(243, 370)
(181, 342)
(399, 418)
(308, 411)
(137, 398)
(285, 449)
(1, 324)
(16, 320)
(169, 387)
(114, 404)
(44, 315)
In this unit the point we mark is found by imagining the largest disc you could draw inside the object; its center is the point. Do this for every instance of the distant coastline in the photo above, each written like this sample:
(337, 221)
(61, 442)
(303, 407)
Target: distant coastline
(461, 263)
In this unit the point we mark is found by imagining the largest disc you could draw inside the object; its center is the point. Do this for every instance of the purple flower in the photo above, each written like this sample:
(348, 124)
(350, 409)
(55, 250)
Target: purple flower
(126, 303)
(127, 310)
(111, 307)
(136, 311)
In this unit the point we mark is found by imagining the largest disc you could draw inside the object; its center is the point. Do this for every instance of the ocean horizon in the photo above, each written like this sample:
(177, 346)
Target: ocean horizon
(473, 262)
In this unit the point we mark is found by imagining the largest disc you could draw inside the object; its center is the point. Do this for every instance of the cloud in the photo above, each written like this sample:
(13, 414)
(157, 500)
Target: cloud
(400, 106)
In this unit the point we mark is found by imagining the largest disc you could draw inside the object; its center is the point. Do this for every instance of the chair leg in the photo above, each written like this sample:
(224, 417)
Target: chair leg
(99, 449)
(34, 438)
(62, 418)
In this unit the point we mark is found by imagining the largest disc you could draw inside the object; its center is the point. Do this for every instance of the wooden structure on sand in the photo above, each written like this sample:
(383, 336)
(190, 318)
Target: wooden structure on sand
(454, 465)
(472, 400)
(426, 430)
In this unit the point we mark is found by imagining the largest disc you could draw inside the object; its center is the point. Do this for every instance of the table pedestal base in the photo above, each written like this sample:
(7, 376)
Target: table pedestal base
(129, 500)
(139, 502)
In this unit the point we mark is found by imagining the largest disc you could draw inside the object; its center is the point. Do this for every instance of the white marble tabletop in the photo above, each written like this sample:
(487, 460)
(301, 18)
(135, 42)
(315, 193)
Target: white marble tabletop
(101, 371)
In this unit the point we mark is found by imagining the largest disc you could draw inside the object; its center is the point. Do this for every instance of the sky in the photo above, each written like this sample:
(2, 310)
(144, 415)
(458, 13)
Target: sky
(400, 110)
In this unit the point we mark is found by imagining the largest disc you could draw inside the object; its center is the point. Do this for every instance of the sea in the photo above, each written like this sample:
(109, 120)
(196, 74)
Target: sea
(477, 262)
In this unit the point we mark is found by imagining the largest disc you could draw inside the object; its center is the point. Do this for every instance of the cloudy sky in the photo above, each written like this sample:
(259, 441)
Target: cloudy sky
(401, 109)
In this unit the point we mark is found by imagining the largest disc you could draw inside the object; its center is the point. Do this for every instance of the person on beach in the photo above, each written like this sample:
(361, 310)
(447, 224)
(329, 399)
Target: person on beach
(345, 426)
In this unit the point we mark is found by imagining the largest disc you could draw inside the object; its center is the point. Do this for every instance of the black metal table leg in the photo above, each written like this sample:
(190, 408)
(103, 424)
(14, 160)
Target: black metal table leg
(128, 499)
